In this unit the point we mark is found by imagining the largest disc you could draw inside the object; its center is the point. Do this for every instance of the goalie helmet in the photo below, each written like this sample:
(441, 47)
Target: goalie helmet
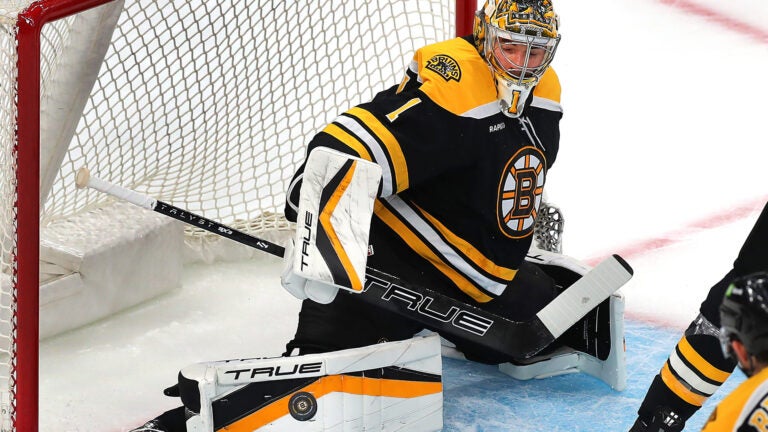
(518, 39)
(744, 315)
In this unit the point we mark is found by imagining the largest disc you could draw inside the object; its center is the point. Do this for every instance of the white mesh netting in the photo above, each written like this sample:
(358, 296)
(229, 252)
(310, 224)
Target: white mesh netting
(206, 105)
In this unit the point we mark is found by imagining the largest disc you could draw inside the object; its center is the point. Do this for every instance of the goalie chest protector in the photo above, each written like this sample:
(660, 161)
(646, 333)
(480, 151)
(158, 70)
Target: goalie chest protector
(461, 182)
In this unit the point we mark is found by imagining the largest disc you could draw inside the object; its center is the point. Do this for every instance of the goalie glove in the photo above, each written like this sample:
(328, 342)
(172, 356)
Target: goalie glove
(330, 249)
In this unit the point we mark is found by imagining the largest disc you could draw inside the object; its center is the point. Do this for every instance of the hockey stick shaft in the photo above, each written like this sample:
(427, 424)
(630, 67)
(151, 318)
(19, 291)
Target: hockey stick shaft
(439, 312)
(85, 179)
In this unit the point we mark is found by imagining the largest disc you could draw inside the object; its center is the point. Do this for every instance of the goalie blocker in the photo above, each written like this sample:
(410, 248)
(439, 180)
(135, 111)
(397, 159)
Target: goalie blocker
(388, 386)
(330, 249)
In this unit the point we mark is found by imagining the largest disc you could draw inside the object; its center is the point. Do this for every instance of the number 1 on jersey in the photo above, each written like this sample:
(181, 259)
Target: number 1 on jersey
(396, 113)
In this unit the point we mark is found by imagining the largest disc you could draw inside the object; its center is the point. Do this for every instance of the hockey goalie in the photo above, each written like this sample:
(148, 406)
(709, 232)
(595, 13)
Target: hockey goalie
(437, 181)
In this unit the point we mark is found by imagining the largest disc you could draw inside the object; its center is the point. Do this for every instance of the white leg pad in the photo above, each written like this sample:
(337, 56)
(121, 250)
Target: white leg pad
(384, 387)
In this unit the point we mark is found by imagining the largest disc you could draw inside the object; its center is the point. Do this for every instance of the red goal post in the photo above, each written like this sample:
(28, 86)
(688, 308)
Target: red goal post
(186, 101)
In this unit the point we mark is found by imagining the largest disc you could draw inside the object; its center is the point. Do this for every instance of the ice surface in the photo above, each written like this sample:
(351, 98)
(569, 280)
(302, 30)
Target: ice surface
(110, 375)
(480, 398)
(662, 158)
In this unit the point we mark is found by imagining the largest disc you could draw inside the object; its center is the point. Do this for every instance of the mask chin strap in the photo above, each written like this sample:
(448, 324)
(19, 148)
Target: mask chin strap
(512, 97)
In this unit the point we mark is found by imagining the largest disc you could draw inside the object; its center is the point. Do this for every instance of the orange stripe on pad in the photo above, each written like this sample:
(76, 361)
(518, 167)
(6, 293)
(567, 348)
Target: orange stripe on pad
(336, 383)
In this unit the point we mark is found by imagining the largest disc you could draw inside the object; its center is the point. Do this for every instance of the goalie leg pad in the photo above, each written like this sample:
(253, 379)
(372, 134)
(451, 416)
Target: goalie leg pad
(388, 386)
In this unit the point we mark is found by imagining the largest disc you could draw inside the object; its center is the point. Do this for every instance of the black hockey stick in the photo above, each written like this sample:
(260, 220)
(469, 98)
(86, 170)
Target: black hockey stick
(436, 311)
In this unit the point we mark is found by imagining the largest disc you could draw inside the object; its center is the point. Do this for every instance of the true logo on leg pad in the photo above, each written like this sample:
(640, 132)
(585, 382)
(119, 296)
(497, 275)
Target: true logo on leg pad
(302, 406)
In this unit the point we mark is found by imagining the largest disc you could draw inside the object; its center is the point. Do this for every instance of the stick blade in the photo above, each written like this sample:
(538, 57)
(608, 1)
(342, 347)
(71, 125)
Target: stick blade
(585, 294)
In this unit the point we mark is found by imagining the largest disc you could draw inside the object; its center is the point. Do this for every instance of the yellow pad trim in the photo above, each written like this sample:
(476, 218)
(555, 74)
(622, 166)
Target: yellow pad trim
(325, 222)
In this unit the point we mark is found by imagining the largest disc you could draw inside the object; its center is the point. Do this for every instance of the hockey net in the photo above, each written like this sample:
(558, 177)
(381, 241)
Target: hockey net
(203, 104)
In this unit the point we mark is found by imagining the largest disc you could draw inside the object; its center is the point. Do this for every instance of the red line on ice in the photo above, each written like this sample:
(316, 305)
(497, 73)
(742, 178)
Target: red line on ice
(754, 32)
(728, 215)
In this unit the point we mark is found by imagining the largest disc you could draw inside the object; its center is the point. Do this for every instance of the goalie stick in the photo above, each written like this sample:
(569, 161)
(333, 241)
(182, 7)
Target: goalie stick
(438, 312)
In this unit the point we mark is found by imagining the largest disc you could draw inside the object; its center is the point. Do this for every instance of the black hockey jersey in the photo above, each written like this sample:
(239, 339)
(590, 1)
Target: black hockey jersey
(744, 410)
(461, 182)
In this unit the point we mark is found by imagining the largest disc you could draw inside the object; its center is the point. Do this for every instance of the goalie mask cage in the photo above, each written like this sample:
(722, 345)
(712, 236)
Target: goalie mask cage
(204, 104)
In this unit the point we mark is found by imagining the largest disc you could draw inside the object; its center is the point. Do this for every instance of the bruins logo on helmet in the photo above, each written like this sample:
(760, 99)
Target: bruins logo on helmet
(520, 192)
(445, 66)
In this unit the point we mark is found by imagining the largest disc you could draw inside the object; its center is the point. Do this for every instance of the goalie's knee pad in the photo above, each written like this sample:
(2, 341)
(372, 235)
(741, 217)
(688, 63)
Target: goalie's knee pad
(564, 269)
(388, 386)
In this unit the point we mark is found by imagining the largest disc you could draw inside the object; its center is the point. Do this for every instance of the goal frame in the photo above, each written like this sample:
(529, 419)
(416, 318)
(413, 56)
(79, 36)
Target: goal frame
(25, 365)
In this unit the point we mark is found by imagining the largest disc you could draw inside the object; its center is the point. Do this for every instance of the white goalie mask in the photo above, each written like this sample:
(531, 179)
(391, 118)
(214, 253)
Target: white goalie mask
(518, 39)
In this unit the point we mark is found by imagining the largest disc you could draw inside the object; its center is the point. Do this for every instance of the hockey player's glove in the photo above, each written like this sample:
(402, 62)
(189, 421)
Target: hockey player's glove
(330, 249)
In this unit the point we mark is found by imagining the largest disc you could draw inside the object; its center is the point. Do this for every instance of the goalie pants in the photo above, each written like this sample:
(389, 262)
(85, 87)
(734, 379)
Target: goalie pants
(350, 323)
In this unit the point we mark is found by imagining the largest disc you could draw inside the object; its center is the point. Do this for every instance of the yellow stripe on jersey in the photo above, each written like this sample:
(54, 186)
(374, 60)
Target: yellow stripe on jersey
(700, 364)
(403, 83)
(470, 251)
(680, 389)
(548, 86)
(399, 165)
(350, 141)
(475, 86)
(422, 249)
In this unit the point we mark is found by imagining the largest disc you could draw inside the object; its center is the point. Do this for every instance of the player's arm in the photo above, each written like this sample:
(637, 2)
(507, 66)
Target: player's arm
(371, 151)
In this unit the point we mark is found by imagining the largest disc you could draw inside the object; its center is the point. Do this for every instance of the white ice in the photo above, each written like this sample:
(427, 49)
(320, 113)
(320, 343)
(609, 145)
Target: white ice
(664, 128)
